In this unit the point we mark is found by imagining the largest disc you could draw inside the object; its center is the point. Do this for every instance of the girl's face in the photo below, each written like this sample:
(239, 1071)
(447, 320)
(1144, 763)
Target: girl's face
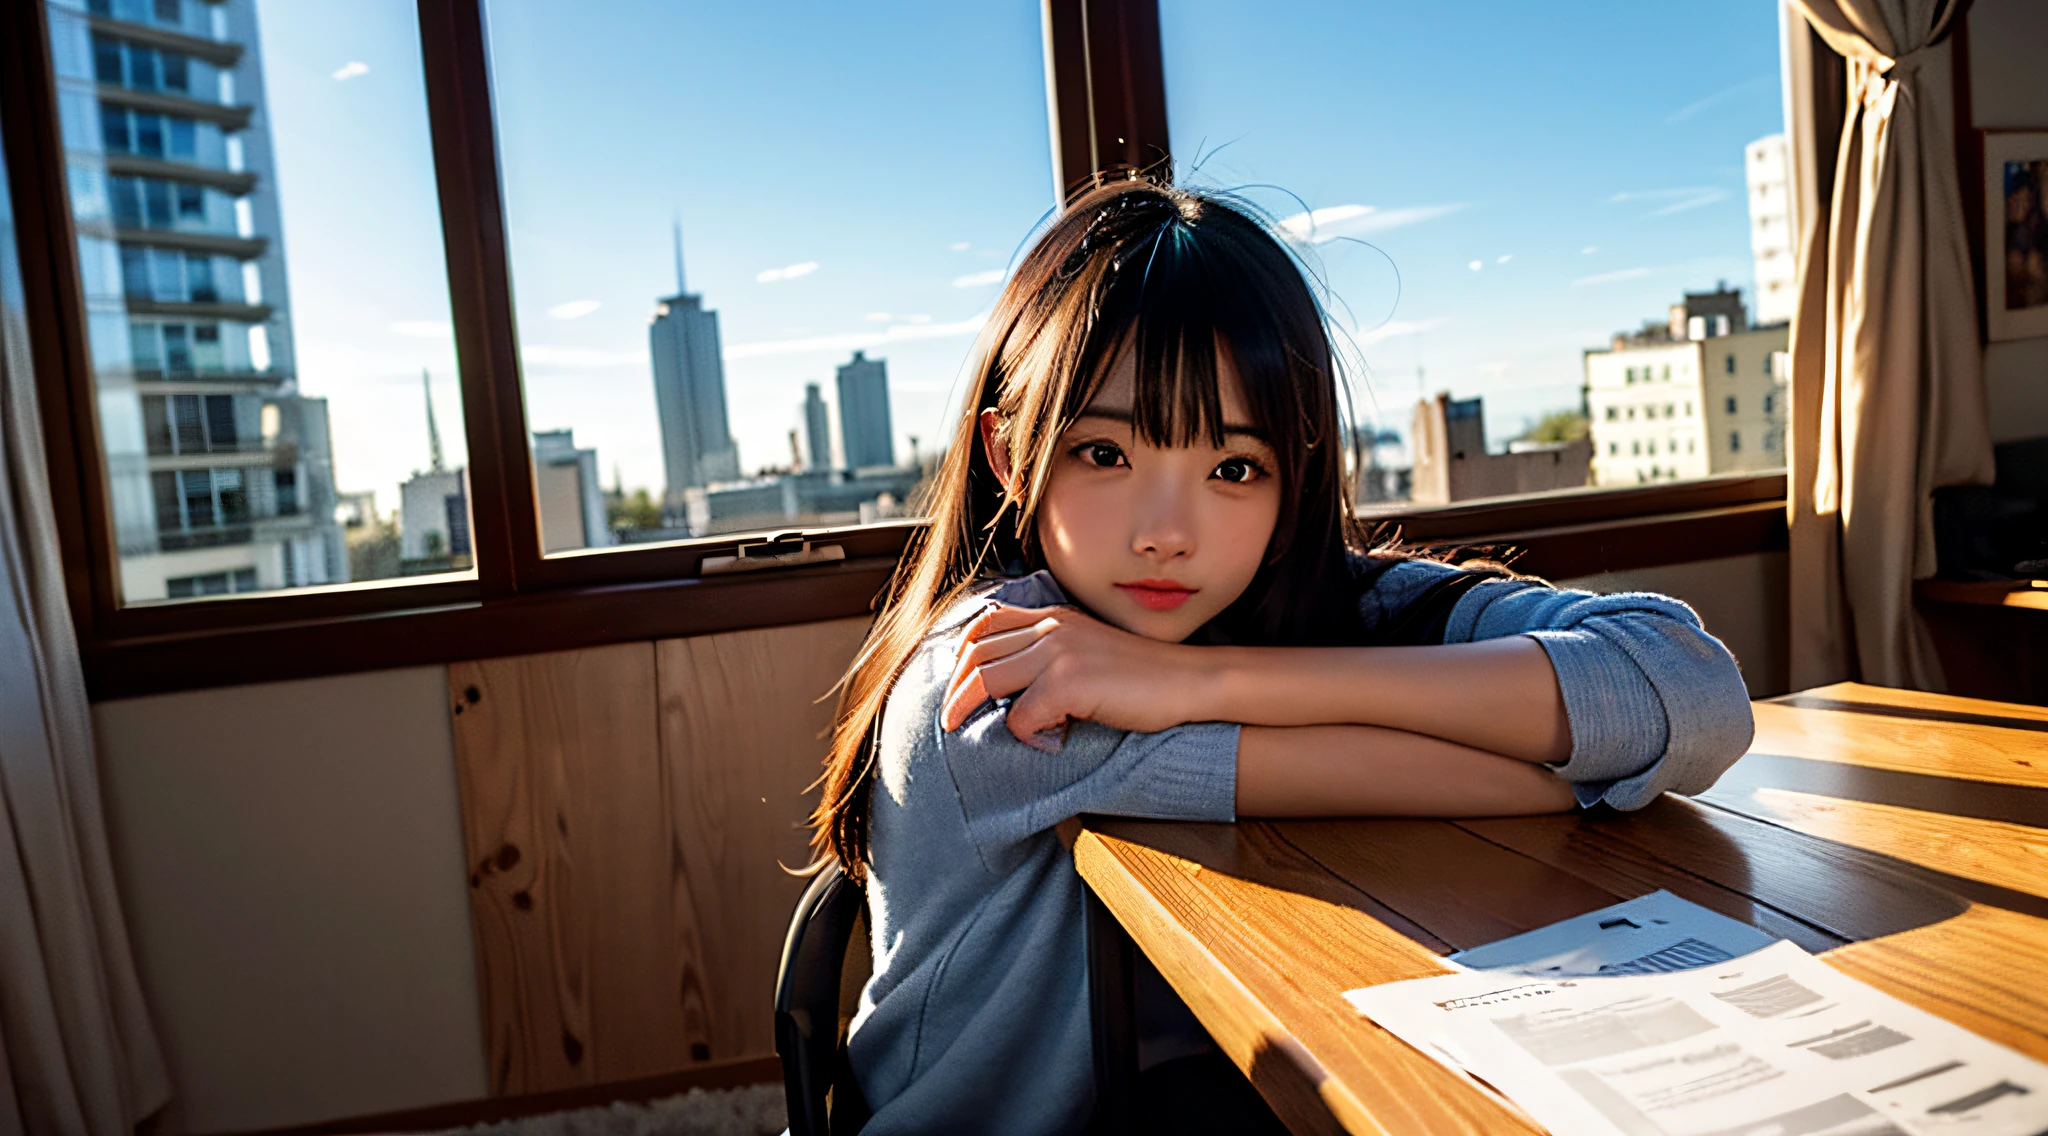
(1156, 540)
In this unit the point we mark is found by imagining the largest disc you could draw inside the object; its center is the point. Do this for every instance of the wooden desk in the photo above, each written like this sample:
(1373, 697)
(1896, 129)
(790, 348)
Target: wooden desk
(1898, 835)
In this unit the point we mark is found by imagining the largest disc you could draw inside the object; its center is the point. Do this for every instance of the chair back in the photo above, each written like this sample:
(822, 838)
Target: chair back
(807, 1008)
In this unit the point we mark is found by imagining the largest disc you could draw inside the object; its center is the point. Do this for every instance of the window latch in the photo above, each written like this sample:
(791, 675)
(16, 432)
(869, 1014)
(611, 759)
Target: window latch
(783, 550)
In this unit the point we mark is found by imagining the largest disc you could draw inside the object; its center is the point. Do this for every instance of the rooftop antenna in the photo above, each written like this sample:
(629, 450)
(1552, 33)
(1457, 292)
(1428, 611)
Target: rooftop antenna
(679, 254)
(433, 431)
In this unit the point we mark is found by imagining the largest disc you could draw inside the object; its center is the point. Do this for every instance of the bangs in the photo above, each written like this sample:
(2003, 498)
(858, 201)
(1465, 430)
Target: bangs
(1176, 302)
(1176, 306)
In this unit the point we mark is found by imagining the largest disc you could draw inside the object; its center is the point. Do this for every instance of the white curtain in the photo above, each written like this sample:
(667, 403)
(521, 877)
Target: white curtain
(1887, 366)
(77, 1054)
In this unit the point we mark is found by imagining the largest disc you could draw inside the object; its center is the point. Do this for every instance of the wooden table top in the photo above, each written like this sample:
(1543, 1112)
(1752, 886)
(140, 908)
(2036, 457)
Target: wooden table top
(1901, 836)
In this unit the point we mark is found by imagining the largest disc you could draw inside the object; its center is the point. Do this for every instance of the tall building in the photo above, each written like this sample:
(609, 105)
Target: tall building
(1667, 408)
(1451, 462)
(572, 513)
(1772, 242)
(864, 429)
(689, 393)
(220, 474)
(817, 428)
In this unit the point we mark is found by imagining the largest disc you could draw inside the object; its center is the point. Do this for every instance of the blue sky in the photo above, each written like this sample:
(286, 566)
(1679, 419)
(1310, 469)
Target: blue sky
(860, 177)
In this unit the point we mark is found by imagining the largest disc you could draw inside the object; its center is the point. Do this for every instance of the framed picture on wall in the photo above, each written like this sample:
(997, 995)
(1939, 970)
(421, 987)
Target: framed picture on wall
(2015, 233)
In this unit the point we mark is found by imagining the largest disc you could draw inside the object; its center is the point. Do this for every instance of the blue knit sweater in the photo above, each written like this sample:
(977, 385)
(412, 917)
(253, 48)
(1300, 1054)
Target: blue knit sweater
(976, 1019)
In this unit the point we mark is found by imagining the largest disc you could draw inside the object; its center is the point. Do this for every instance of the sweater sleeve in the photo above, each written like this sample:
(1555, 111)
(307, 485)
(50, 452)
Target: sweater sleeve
(1655, 703)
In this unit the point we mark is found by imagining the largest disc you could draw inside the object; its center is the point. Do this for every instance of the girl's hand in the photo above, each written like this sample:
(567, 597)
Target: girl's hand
(1070, 665)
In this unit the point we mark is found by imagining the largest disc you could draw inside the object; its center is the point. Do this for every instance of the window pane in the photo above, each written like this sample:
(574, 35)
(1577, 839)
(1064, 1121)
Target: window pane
(272, 289)
(1538, 232)
(850, 183)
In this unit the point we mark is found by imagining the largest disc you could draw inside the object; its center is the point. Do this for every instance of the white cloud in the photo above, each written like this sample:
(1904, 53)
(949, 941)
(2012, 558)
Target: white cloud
(1394, 329)
(1476, 265)
(350, 70)
(1306, 226)
(861, 340)
(1694, 202)
(424, 329)
(574, 309)
(789, 272)
(1758, 84)
(1504, 259)
(960, 246)
(1676, 200)
(1493, 370)
(542, 355)
(977, 279)
(1589, 250)
(889, 317)
(1332, 222)
(1611, 277)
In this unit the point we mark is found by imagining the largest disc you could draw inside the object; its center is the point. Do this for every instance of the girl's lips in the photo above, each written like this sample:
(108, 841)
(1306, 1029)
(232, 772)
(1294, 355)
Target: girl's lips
(1159, 595)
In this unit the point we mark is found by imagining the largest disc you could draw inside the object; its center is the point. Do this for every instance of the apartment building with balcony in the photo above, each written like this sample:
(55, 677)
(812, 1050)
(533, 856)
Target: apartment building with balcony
(220, 473)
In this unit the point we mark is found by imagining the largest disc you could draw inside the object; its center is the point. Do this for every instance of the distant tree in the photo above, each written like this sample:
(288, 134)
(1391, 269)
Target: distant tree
(373, 550)
(1558, 426)
(636, 510)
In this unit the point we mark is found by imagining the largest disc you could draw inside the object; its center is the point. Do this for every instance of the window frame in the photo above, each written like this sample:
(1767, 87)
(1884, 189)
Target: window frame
(1106, 105)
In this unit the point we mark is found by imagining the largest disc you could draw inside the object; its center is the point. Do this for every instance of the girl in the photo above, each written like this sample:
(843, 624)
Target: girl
(1141, 595)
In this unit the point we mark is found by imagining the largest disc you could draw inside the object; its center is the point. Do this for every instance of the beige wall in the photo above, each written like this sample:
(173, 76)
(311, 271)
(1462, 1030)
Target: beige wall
(2009, 90)
(1740, 599)
(290, 857)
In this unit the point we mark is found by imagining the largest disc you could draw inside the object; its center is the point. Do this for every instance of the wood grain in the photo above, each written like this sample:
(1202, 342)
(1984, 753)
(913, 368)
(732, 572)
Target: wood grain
(627, 811)
(1465, 890)
(1599, 856)
(1984, 970)
(564, 826)
(1265, 967)
(742, 738)
(1994, 852)
(1918, 699)
(1941, 749)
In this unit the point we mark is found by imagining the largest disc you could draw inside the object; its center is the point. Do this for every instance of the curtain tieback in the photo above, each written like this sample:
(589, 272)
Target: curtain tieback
(1906, 64)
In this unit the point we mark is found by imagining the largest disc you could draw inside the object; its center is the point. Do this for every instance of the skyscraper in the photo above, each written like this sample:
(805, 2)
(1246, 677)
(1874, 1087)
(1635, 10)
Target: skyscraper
(689, 393)
(1771, 240)
(220, 475)
(864, 429)
(817, 428)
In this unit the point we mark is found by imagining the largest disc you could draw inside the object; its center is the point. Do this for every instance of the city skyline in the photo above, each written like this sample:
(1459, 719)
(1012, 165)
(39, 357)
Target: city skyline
(1636, 161)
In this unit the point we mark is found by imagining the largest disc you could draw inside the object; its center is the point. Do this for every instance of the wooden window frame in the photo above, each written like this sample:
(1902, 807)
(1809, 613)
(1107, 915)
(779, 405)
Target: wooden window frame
(1106, 102)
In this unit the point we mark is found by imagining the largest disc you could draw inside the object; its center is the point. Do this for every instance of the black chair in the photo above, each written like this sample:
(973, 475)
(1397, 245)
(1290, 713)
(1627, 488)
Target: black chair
(809, 999)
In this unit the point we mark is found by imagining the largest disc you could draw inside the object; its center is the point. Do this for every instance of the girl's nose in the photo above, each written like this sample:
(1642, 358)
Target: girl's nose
(1164, 528)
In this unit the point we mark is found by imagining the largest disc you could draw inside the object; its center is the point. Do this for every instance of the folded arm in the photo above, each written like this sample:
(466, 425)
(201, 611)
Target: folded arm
(1373, 771)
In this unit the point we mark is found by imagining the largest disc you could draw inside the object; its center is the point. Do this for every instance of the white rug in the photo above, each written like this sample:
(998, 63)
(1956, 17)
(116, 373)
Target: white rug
(754, 1110)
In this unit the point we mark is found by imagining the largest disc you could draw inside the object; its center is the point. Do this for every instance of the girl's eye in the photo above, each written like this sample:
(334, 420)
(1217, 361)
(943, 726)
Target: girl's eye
(1238, 470)
(1102, 455)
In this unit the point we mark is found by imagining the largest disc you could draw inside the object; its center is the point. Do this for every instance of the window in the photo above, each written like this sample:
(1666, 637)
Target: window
(1730, 367)
(232, 486)
(1638, 184)
(1612, 413)
(1731, 404)
(1770, 401)
(1734, 441)
(212, 584)
(766, 350)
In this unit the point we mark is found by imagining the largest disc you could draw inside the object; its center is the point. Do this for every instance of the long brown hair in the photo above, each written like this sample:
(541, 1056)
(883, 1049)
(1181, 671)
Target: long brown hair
(1172, 275)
